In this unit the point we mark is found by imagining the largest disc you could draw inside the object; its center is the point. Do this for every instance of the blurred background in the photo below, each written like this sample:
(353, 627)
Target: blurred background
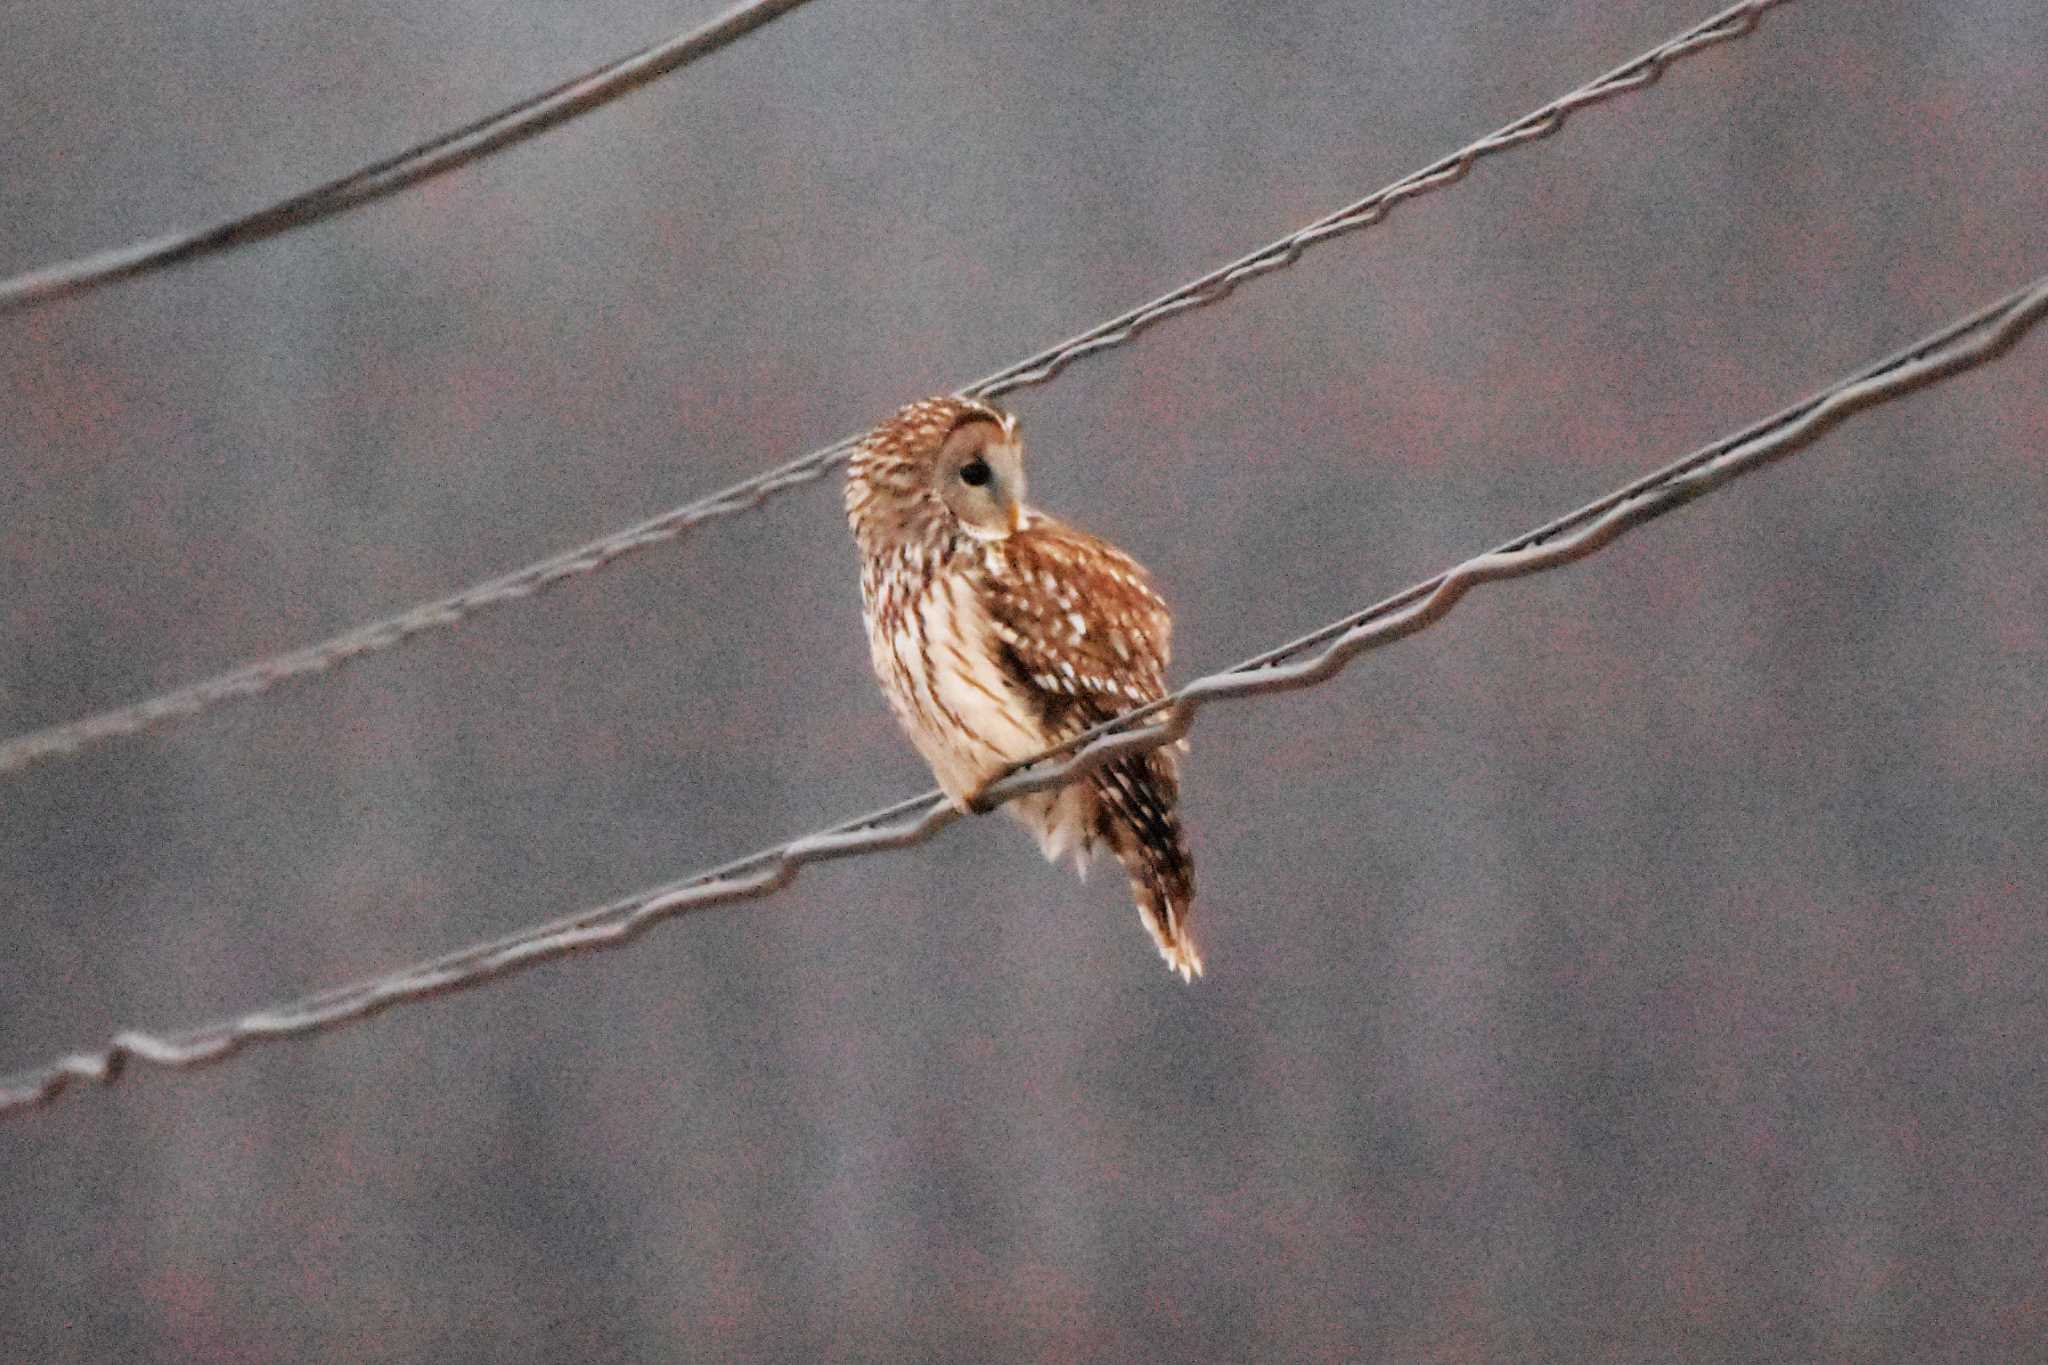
(1647, 963)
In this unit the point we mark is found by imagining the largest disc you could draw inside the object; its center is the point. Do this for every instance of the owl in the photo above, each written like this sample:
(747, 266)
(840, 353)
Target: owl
(998, 631)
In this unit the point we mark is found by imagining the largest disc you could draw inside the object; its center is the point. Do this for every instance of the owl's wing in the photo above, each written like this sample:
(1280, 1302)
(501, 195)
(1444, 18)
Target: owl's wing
(1084, 637)
(1077, 625)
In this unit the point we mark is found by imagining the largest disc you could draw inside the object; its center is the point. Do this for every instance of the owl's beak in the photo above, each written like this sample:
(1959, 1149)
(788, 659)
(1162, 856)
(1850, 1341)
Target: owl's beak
(1016, 509)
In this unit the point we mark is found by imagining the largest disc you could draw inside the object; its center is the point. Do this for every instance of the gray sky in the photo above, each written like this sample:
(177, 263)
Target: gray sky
(1645, 963)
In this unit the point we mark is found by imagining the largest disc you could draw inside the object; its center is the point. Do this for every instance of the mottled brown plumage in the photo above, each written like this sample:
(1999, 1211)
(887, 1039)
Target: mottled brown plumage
(998, 631)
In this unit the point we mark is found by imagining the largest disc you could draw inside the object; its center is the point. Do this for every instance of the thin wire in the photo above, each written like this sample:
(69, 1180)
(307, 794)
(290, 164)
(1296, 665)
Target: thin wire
(529, 118)
(74, 736)
(1314, 658)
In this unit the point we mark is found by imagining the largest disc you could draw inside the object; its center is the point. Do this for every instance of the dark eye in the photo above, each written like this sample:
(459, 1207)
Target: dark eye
(975, 473)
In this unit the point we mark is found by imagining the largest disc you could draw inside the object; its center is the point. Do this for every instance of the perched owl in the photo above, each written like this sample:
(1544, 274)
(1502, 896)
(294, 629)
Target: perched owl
(997, 632)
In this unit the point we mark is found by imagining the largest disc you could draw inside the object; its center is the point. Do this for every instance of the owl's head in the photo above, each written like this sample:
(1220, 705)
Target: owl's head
(938, 466)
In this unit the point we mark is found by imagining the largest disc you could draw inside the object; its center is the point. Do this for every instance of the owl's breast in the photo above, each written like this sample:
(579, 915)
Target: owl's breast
(937, 654)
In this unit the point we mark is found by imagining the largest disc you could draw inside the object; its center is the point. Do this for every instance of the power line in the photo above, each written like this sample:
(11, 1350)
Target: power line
(529, 118)
(261, 676)
(1971, 341)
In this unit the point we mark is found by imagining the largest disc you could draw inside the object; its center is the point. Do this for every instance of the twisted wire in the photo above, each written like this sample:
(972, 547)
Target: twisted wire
(261, 676)
(1969, 342)
(517, 123)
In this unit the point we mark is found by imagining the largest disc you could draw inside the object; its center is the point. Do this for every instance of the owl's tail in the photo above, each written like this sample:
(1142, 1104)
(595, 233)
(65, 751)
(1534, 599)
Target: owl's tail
(1136, 818)
(1166, 919)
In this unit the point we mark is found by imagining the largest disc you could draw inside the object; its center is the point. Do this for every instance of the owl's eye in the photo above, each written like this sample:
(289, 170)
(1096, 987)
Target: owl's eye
(975, 473)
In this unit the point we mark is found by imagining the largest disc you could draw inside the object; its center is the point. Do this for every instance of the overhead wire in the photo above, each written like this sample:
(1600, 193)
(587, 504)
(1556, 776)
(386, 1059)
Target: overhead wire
(438, 155)
(1313, 658)
(261, 676)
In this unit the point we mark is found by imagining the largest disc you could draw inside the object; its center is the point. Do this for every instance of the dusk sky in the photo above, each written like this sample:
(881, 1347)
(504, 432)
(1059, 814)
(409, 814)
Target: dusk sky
(1646, 963)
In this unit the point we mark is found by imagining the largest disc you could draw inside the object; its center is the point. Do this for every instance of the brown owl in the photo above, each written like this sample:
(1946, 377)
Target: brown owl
(998, 631)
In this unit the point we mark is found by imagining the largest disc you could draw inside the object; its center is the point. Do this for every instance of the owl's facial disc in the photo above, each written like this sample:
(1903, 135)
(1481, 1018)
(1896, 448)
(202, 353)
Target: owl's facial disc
(979, 476)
